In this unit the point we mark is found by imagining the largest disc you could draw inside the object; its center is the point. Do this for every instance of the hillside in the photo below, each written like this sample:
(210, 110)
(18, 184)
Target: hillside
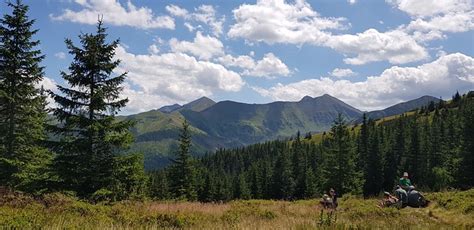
(229, 124)
(448, 210)
(402, 107)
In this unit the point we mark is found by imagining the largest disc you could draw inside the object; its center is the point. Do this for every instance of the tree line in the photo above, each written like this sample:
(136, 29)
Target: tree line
(80, 153)
(435, 144)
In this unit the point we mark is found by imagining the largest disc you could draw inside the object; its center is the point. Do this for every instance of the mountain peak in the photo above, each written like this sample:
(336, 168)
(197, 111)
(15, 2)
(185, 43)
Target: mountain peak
(306, 98)
(200, 104)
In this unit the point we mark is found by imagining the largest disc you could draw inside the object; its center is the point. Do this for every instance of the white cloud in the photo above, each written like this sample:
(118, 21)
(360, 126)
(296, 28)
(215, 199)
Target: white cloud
(352, 2)
(60, 55)
(341, 73)
(115, 14)
(441, 77)
(427, 8)
(189, 27)
(275, 21)
(431, 19)
(153, 49)
(176, 11)
(395, 46)
(243, 61)
(204, 14)
(48, 84)
(157, 80)
(270, 66)
(204, 47)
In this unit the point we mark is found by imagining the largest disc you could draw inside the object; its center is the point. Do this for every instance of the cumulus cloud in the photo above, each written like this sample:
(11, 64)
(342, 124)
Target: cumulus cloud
(352, 2)
(431, 19)
(48, 84)
(276, 21)
(157, 80)
(441, 77)
(395, 46)
(206, 14)
(269, 66)
(204, 47)
(341, 73)
(115, 14)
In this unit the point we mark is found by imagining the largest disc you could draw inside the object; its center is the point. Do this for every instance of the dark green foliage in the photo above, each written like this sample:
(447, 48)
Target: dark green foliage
(340, 169)
(466, 167)
(129, 179)
(23, 159)
(182, 170)
(90, 137)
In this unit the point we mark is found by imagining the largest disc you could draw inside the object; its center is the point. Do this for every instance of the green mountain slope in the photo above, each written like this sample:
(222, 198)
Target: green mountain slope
(229, 124)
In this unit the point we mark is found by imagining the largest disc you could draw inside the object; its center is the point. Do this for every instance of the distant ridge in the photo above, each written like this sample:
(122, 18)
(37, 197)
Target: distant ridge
(228, 124)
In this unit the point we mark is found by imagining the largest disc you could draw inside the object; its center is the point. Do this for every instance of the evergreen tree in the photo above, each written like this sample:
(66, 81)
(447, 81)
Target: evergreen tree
(183, 171)
(284, 184)
(241, 188)
(23, 160)
(89, 135)
(340, 170)
(466, 168)
(373, 180)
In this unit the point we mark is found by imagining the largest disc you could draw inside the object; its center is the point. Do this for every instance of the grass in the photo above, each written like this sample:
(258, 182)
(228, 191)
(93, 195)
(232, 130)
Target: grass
(452, 209)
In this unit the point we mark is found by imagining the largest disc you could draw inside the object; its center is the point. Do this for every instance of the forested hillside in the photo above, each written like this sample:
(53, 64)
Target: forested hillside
(435, 144)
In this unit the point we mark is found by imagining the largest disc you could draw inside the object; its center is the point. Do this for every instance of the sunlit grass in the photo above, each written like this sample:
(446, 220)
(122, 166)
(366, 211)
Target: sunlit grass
(448, 210)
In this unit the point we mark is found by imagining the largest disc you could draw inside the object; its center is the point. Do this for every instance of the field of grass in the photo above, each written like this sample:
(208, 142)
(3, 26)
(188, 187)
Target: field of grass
(55, 211)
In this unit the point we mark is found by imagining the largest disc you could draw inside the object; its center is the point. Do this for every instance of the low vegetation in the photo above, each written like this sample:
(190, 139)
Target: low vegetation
(453, 209)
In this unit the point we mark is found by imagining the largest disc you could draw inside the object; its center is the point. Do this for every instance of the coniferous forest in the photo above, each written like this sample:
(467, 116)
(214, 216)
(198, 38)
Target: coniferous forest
(434, 143)
(77, 147)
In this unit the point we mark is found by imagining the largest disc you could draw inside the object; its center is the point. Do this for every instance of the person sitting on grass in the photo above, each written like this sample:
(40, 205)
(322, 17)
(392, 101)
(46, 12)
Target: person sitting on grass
(388, 200)
(329, 200)
(405, 181)
(402, 197)
(416, 199)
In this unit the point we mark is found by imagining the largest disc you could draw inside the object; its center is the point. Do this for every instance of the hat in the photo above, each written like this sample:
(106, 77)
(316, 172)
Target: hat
(405, 174)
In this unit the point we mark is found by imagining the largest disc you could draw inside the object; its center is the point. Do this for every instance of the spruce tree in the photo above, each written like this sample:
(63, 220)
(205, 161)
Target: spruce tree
(340, 168)
(23, 160)
(89, 134)
(466, 168)
(183, 171)
(284, 183)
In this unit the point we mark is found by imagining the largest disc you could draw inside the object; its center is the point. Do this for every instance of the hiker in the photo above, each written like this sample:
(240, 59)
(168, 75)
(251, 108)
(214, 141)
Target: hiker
(405, 181)
(329, 200)
(402, 196)
(416, 199)
(388, 200)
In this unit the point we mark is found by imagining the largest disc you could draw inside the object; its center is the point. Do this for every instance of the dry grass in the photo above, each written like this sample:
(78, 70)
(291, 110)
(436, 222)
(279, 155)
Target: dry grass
(448, 210)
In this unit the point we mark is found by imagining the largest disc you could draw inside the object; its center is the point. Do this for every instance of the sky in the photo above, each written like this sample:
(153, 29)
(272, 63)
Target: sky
(369, 53)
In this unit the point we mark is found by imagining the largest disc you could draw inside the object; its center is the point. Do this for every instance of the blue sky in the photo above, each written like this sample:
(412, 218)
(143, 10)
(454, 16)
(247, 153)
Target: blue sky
(371, 54)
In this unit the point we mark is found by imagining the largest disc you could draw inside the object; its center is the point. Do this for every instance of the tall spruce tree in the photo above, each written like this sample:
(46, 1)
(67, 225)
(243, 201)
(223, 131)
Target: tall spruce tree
(89, 135)
(183, 171)
(23, 160)
(340, 170)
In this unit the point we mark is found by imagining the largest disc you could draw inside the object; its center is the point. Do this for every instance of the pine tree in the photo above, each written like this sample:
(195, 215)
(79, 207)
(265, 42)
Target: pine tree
(373, 180)
(241, 188)
(183, 171)
(23, 160)
(89, 135)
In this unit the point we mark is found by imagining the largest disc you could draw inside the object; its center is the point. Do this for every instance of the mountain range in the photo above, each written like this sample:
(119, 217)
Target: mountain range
(229, 124)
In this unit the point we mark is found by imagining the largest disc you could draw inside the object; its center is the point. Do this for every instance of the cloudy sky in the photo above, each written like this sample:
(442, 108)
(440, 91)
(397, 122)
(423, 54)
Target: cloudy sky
(368, 53)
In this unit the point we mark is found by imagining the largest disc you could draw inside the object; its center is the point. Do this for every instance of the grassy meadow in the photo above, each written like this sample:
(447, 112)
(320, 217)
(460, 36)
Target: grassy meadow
(56, 211)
